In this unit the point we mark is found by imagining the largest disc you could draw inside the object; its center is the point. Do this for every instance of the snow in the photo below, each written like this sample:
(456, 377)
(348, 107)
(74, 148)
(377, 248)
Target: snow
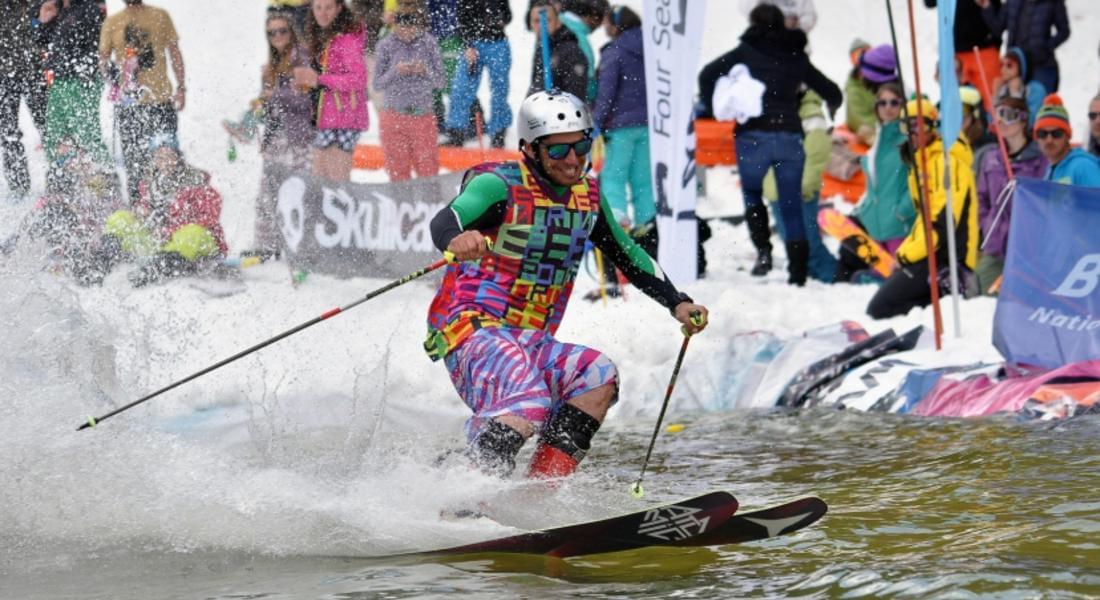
(71, 351)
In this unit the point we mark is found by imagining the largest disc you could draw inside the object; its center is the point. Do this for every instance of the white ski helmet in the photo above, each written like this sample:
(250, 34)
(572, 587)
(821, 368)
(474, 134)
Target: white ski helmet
(550, 112)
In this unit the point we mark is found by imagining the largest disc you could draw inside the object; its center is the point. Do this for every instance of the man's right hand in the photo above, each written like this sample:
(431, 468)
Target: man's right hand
(468, 245)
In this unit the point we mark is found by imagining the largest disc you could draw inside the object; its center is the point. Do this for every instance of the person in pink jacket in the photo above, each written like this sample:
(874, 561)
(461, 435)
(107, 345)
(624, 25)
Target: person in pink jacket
(338, 77)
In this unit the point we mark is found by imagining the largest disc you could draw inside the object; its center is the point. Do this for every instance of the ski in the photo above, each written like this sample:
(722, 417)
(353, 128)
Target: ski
(661, 525)
(761, 524)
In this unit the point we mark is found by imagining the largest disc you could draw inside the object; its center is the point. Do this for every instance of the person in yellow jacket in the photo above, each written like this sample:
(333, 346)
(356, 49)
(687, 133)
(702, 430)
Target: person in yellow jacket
(909, 285)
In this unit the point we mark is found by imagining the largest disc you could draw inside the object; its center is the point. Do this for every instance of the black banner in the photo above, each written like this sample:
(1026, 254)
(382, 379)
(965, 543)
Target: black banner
(361, 229)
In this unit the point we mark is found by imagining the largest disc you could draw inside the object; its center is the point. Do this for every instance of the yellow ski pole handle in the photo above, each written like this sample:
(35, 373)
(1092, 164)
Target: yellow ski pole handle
(697, 319)
(450, 256)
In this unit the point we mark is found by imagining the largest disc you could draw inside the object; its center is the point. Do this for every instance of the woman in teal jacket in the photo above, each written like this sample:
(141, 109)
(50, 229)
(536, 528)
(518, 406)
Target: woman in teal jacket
(886, 211)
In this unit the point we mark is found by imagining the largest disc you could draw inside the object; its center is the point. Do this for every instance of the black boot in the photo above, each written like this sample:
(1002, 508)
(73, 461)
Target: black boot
(798, 262)
(757, 219)
(495, 447)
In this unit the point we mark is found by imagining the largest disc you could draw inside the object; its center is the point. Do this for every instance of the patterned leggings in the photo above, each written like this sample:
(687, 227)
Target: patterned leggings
(524, 373)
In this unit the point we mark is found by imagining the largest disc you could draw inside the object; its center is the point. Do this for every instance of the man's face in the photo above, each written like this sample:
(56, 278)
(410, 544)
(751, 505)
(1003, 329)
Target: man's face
(552, 22)
(567, 170)
(1094, 118)
(930, 134)
(1053, 143)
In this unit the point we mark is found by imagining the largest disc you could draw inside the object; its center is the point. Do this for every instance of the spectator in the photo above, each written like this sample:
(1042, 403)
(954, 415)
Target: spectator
(885, 212)
(876, 66)
(409, 68)
(481, 27)
(1013, 82)
(621, 115)
(174, 229)
(775, 56)
(816, 144)
(295, 10)
(581, 17)
(444, 26)
(70, 217)
(1029, 24)
(21, 77)
(971, 30)
(994, 192)
(797, 14)
(910, 285)
(69, 30)
(568, 66)
(338, 78)
(287, 115)
(142, 39)
(1094, 125)
(1072, 166)
(975, 120)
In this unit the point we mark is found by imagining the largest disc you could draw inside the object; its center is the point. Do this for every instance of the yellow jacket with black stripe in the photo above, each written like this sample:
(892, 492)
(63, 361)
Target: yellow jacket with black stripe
(963, 196)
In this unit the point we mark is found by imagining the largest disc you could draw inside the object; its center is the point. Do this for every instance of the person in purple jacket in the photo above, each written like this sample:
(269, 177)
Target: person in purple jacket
(286, 113)
(994, 191)
(338, 78)
(408, 69)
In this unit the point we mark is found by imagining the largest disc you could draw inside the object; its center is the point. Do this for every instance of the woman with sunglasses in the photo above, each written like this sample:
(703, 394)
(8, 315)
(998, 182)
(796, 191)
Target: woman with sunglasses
(910, 285)
(885, 211)
(337, 77)
(775, 56)
(876, 67)
(494, 317)
(994, 192)
(1071, 166)
(285, 112)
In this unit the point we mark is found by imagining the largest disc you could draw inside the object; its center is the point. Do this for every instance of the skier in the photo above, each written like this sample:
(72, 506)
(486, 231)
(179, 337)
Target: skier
(494, 317)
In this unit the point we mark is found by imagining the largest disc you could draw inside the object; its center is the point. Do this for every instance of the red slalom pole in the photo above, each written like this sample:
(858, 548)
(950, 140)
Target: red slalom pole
(447, 257)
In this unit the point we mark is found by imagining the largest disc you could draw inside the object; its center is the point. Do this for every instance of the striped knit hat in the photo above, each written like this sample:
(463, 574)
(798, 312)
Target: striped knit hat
(1052, 115)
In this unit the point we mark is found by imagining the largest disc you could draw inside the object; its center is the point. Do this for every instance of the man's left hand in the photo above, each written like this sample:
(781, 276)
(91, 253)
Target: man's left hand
(683, 314)
(180, 99)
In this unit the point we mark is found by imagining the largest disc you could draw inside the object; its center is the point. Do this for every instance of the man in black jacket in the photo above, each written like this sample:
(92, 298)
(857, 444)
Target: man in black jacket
(481, 27)
(20, 77)
(568, 64)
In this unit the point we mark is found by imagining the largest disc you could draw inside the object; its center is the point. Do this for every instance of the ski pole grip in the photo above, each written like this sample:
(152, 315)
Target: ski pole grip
(450, 256)
(697, 320)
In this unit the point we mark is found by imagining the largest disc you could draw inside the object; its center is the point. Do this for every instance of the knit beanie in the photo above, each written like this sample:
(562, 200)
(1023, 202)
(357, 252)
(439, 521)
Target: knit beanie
(879, 64)
(856, 50)
(1052, 115)
(1016, 54)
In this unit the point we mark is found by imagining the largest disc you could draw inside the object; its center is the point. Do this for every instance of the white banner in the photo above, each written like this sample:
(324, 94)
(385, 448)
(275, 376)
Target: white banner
(673, 32)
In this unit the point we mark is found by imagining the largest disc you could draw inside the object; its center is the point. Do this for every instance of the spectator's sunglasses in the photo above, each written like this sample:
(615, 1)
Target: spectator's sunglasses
(1009, 115)
(1050, 133)
(560, 151)
(892, 102)
(277, 31)
(1094, 115)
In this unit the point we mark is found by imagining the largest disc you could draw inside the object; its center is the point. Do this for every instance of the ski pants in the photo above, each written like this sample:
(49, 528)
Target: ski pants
(627, 164)
(16, 172)
(757, 151)
(496, 56)
(280, 159)
(409, 142)
(524, 373)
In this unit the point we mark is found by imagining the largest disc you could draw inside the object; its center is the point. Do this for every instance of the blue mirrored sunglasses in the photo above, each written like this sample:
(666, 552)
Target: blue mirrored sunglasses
(560, 151)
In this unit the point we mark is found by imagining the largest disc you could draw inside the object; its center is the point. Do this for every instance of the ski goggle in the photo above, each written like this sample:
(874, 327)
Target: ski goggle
(1051, 133)
(1009, 115)
(910, 126)
(560, 151)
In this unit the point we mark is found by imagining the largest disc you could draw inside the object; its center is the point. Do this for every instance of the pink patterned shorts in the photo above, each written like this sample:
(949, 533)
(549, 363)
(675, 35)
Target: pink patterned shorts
(523, 372)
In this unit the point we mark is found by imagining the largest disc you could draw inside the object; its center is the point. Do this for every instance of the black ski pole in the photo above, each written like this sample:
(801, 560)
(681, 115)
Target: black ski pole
(696, 319)
(447, 257)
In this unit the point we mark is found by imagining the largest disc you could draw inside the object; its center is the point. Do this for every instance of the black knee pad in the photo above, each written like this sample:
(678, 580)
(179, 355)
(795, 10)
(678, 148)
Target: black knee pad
(571, 431)
(495, 447)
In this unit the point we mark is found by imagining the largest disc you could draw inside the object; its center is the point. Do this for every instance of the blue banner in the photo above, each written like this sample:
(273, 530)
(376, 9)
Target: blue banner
(1048, 311)
(950, 103)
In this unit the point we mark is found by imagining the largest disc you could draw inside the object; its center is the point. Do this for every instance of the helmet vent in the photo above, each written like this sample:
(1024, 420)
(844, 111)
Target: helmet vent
(561, 116)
